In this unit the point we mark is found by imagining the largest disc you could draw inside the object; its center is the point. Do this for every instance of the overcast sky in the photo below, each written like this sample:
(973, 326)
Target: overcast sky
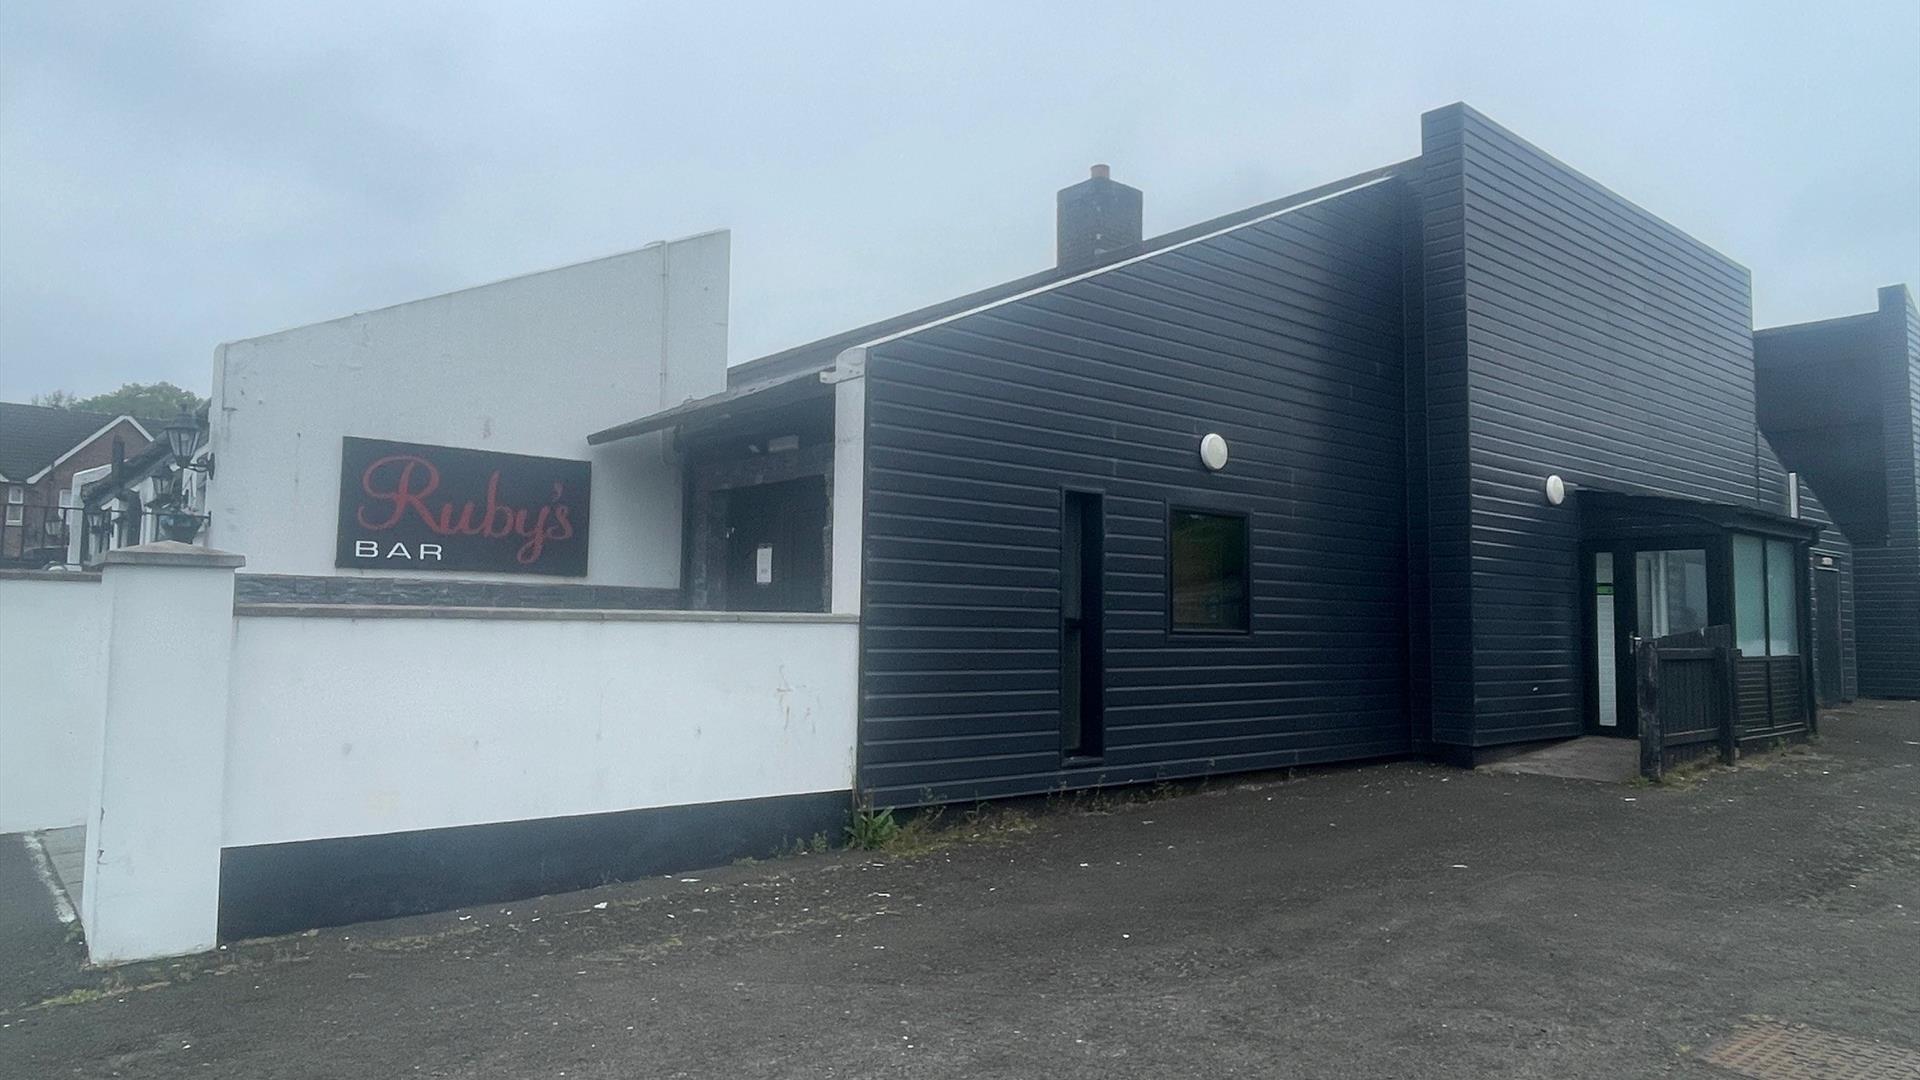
(174, 176)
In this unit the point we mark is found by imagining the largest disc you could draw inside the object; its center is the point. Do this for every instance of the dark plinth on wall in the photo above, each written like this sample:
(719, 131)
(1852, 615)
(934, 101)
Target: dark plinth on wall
(277, 888)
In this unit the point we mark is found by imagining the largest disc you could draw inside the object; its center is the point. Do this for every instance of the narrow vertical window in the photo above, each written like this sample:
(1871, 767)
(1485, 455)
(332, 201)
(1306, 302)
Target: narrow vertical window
(1208, 570)
(1605, 660)
(1082, 640)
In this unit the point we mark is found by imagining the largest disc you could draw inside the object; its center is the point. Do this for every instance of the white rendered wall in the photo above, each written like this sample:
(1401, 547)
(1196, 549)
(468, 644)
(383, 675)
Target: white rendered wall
(52, 697)
(532, 365)
(849, 375)
(355, 726)
(152, 860)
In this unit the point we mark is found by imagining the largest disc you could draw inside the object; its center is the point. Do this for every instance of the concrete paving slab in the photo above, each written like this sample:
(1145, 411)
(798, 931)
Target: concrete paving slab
(1594, 757)
(66, 850)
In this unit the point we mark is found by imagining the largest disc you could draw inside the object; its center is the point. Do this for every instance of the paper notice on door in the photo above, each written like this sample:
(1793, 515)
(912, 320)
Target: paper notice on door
(763, 564)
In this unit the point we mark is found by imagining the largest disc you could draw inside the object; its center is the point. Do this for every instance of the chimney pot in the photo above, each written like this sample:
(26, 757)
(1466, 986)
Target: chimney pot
(1096, 216)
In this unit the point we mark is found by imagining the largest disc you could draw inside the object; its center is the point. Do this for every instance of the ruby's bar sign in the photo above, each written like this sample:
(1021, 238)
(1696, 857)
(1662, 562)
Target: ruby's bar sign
(404, 506)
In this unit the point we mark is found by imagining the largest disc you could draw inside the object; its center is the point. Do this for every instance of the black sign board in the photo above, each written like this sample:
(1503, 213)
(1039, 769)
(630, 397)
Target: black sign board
(404, 506)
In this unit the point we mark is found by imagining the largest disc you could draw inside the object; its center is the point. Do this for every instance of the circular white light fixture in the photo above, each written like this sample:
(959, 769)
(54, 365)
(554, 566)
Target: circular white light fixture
(1556, 490)
(1213, 451)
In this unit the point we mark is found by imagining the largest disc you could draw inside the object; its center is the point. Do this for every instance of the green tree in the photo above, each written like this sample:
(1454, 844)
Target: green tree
(59, 399)
(153, 401)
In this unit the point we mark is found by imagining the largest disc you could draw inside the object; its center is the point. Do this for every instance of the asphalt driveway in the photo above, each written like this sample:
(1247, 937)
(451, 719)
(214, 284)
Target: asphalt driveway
(1401, 920)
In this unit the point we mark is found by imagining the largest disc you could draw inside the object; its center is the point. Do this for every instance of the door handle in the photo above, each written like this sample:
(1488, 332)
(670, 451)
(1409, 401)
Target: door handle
(1633, 642)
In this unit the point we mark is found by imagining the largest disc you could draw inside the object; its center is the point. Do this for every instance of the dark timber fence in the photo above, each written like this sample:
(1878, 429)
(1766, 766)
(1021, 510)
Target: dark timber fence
(1689, 701)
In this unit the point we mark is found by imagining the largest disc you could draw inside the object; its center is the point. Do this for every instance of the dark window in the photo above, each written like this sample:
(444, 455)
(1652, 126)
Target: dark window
(1208, 567)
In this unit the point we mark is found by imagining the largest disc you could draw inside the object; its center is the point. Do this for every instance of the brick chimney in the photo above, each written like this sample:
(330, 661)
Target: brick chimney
(1096, 215)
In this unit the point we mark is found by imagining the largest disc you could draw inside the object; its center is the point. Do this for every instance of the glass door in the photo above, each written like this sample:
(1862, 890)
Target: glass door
(1636, 595)
(1670, 591)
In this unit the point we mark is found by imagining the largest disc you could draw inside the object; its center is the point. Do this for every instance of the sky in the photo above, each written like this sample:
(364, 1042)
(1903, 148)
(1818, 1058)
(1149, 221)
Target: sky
(173, 176)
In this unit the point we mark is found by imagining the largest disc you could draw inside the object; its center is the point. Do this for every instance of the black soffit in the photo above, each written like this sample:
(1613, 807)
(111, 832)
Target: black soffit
(730, 404)
(1621, 508)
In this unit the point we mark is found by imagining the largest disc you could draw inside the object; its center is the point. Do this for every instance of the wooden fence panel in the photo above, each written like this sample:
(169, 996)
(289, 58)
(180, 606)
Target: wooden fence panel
(1689, 697)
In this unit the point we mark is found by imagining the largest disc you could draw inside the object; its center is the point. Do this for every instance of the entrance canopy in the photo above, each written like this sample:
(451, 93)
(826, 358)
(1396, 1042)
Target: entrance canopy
(1660, 567)
(1625, 515)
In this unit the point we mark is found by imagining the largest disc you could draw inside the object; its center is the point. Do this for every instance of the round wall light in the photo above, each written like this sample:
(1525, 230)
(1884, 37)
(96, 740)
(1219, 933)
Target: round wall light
(1556, 490)
(1213, 451)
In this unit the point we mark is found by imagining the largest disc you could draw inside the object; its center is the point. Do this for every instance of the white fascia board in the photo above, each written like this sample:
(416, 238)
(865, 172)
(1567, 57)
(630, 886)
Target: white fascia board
(88, 441)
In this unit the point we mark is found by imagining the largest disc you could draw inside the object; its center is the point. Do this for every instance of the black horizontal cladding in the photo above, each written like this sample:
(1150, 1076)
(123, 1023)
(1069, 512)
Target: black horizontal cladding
(1285, 336)
(1887, 577)
(1413, 360)
(1442, 384)
(1571, 333)
(1859, 376)
(1829, 551)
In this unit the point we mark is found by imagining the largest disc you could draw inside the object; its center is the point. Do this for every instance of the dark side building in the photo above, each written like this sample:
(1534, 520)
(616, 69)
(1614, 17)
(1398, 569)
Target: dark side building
(1412, 462)
(1840, 401)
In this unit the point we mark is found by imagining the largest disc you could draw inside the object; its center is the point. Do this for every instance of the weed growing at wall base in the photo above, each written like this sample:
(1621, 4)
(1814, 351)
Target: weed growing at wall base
(868, 829)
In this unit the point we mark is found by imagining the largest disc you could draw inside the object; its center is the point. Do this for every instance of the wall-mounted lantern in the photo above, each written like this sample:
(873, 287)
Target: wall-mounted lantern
(1213, 451)
(1556, 490)
(183, 438)
(176, 522)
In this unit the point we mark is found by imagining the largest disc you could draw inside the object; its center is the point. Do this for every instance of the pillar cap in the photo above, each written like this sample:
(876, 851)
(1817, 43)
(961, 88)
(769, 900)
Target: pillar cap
(173, 553)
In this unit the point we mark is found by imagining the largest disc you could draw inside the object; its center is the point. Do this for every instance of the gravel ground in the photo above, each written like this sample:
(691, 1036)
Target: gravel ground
(1399, 920)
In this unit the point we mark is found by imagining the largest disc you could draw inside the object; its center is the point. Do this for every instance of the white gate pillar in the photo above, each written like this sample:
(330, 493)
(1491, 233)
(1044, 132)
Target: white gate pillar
(152, 876)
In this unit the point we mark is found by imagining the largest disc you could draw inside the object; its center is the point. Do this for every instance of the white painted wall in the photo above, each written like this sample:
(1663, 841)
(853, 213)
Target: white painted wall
(531, 365)
(152, 865)
(354, 726)
(52, 697)
(849, 377)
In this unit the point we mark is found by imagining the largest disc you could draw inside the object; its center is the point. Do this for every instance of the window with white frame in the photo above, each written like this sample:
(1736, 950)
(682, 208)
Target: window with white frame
(16, 508)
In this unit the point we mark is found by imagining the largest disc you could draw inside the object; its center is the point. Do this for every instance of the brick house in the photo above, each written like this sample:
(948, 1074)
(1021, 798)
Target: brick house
(41, 449)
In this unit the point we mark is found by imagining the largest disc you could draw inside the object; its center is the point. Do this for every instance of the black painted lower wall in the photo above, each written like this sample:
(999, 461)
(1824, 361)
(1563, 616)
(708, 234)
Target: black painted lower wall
(276, 888)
